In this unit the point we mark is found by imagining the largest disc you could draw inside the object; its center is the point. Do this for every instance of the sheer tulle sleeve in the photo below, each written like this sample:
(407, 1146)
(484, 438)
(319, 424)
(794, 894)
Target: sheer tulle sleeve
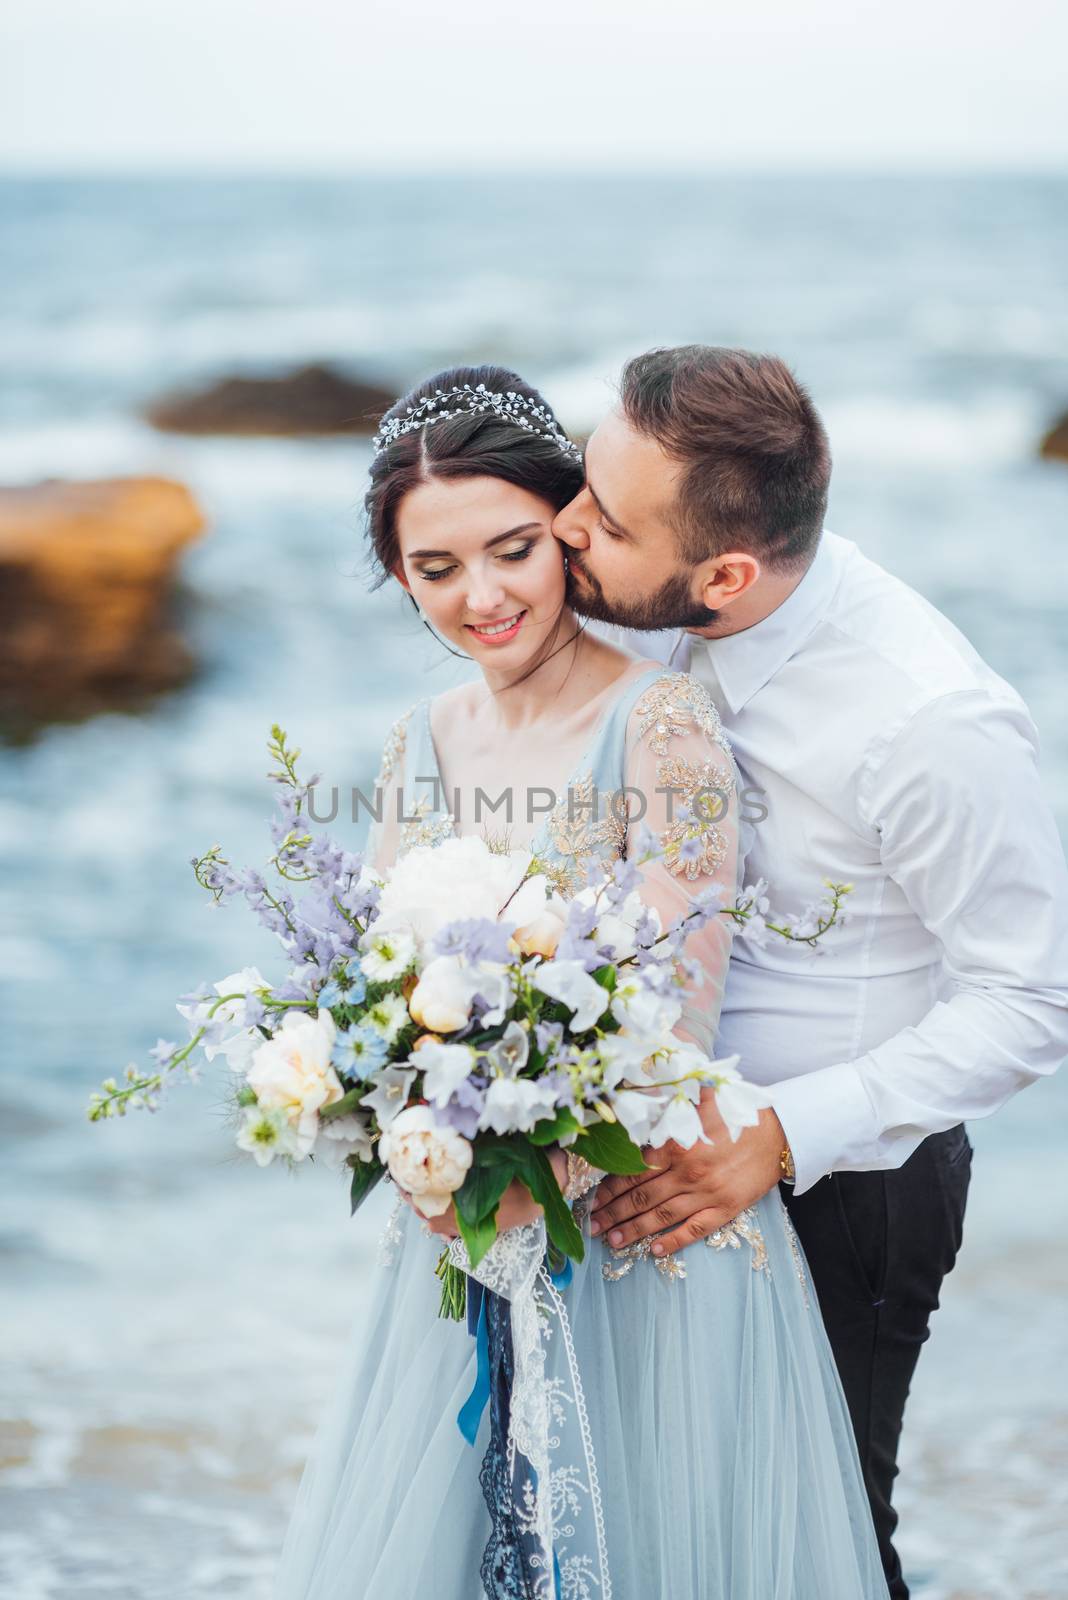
(384, 835)
(682, 786)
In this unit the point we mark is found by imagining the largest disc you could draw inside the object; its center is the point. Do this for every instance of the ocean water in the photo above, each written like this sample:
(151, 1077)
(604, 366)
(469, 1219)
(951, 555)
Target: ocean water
(172, 1314)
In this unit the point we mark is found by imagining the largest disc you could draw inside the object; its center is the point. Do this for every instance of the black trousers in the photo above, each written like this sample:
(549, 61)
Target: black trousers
(879, 1245)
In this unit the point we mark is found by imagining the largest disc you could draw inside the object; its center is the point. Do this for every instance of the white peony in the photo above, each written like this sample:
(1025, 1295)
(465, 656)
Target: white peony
(291, 1072)
(426, 1158)
(433, 885)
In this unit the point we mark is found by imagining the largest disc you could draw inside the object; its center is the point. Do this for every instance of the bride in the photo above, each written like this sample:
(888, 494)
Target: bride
(713, 1453)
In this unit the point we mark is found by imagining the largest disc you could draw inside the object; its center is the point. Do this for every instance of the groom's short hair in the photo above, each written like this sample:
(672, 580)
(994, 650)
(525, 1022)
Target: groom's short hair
(755, 456)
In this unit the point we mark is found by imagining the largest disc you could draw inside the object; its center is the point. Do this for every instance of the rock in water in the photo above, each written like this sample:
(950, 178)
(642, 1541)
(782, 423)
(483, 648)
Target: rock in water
(1055, 445)
(314, 400)
(86, 570)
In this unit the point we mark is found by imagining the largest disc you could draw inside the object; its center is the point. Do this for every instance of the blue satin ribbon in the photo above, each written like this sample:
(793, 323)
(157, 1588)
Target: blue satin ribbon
(470, 1413)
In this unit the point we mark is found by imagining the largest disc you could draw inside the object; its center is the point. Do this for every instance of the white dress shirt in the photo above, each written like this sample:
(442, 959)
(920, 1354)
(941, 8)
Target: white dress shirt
(890, 756)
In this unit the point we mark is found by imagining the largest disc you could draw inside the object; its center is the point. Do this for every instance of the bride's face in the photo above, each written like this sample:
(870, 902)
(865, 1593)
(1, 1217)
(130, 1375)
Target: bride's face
(477, 553)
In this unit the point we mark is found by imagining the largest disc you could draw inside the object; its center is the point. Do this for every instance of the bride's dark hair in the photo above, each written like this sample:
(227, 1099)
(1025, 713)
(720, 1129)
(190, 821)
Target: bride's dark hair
(469, 444)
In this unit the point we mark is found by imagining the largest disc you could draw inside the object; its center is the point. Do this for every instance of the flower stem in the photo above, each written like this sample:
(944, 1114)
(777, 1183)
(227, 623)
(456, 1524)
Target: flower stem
(453, 1288)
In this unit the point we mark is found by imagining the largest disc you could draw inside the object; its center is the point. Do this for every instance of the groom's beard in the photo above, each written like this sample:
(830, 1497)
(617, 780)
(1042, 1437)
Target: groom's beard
(672, 606)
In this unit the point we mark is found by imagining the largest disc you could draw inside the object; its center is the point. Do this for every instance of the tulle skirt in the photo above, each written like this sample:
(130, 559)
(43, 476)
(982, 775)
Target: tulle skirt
(725, 1463)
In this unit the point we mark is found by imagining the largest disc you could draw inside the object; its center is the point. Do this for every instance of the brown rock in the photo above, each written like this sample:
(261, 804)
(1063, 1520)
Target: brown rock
(85, 578)
(314, 400)
(1055, 445)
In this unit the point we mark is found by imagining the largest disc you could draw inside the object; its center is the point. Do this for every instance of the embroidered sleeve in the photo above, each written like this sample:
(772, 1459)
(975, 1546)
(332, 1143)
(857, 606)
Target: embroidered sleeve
(384, 840)
(682, 787)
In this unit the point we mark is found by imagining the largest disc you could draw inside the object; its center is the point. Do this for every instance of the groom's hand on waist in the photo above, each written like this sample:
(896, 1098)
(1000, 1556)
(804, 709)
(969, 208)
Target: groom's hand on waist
(695, 1191)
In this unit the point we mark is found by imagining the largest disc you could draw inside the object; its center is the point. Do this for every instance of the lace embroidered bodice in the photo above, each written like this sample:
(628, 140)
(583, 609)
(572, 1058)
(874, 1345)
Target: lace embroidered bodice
(657, 757)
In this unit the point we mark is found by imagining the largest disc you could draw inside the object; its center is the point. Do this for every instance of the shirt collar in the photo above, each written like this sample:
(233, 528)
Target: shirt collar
(744, 662)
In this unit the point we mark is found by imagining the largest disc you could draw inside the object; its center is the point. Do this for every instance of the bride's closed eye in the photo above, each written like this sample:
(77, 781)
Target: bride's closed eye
(432, 575)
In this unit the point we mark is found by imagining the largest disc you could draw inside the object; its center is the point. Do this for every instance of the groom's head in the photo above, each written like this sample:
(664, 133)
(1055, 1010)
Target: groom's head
(705, 493)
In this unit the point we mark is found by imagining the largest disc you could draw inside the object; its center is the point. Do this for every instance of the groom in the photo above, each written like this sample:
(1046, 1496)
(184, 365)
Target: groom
(887, 754)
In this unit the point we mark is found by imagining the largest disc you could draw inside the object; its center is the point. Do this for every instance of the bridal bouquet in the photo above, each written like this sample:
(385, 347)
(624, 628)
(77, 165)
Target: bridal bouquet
(450, 1020)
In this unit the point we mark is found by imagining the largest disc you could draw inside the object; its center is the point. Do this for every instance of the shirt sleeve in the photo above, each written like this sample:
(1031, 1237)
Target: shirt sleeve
(384, 835)
(966, 833)
(682, 786)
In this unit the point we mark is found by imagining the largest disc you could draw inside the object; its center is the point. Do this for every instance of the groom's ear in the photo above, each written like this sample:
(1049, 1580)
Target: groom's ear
(729, 577)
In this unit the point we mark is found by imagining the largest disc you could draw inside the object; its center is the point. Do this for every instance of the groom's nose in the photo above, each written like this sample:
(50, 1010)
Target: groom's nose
(569, 525)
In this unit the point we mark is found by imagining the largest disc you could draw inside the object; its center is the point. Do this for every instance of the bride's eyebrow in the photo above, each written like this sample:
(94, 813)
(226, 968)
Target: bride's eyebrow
(498, 538)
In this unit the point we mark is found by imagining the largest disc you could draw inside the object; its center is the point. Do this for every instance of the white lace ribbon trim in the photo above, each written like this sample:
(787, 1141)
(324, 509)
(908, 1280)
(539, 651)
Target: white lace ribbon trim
(564, 1462)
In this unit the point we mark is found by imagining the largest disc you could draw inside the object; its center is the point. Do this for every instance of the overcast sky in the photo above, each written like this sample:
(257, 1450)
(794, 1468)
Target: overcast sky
(301, 85)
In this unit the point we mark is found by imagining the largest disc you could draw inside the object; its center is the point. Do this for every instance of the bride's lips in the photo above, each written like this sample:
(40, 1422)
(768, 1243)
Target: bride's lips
(498, 638)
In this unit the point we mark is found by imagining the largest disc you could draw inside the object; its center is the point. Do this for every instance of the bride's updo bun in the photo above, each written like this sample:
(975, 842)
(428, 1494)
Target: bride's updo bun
(527, 449)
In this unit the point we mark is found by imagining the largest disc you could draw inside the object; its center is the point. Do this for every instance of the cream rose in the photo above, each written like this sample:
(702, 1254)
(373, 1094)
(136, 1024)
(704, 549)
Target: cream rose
(441, 1000)
(425, 1157)
(291, 1072)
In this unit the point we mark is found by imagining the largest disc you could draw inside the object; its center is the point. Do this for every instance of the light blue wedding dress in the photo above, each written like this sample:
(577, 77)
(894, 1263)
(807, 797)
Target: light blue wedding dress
(690, 1424)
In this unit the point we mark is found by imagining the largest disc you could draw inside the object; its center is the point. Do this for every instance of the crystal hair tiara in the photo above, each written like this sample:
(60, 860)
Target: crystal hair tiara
(517, 408)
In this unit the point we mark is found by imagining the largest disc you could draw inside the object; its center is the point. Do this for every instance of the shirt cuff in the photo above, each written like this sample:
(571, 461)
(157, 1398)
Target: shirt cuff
(827, 1118)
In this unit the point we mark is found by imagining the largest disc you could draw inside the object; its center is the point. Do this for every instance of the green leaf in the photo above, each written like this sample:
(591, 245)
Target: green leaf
(606, 977)
(365, 1174)
(477, 1236)
(554, 1128)
(609, 1146)
(480, 1193)
(494, 1151)
(560, 1225)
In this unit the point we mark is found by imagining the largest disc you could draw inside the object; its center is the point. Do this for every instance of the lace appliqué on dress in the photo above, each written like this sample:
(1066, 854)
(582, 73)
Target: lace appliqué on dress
(581, 1177)
(703, 792)
(421, 827)
(795, 1251)
(628, 1256)
(393, 748)
(578, 837)
(673, 706)
(391, 1237)
(744, 1227)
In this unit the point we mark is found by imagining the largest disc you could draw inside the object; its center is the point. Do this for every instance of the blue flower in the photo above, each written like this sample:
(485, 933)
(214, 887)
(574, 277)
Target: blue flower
(358, 1051)
(343, 988)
